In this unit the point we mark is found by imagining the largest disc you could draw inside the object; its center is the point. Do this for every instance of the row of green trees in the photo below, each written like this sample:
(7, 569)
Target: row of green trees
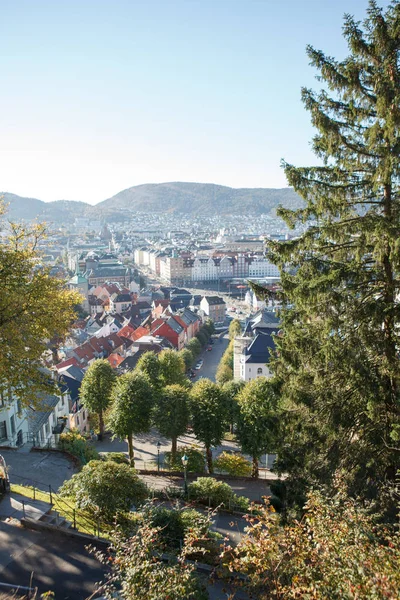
(158, 393)
(225, 367)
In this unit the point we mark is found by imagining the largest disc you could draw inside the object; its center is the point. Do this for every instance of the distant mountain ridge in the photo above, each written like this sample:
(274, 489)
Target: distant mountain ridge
(175, 197)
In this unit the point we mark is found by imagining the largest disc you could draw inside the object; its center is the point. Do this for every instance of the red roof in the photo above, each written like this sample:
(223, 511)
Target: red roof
(115, 360)
(156, 323)
(67, 363)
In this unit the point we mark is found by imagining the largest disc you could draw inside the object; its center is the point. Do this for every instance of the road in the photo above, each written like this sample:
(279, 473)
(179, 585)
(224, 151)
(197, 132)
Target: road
(47, 561)
(211, 359)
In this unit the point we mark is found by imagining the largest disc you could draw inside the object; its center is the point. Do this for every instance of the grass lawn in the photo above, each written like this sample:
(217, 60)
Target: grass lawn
(84, 521)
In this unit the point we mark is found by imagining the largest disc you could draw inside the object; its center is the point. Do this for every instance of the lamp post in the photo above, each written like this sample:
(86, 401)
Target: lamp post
(185, 462)
(158, 455)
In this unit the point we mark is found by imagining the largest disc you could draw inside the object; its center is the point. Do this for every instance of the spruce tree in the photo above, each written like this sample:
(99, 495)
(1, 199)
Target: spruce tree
(338, 357)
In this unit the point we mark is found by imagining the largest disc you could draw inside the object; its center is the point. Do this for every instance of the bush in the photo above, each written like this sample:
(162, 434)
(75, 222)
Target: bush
(211, 491)
(196, 460)
(105, 488)
(240, 503)
(118, 457)
(74, 443)
(175, 523)
(233, 464)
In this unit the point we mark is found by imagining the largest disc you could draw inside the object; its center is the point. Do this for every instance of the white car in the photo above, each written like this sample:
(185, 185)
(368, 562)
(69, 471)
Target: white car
(199, 365)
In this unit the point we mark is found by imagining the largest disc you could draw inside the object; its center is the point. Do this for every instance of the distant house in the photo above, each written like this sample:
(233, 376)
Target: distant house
(255, 357)
(120, 303)
(173, 331)
(214, 307)
(70, 379)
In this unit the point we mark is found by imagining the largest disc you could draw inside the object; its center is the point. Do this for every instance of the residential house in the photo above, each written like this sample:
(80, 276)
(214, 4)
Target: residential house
(214, 307)
(120, 302)
(47, 418)
(173, 331)
(255, 357)
(13, 421)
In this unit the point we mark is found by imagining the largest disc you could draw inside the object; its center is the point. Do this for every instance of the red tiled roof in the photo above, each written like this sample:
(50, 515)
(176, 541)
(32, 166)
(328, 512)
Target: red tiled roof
(115, 360)
(67, 363)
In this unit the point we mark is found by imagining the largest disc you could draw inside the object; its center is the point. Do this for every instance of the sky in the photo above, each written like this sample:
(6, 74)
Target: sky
(98, 96)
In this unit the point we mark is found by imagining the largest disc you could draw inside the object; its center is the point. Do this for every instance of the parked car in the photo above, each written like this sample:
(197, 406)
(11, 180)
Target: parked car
(199, 365)
(209, 348)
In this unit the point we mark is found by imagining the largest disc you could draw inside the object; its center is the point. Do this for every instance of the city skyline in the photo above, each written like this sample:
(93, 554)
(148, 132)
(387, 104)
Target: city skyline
(98, 98)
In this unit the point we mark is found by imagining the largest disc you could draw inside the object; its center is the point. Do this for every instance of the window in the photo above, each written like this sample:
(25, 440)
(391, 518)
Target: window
(3, 430)
(19, 407)
(259, 371)
(12, 424)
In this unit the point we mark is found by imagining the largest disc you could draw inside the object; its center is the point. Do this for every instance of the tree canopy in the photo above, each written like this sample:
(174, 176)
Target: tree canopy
(257, 419)
(96, 388)
(337, 359)
(34, 308)
(132, 405)
(209, 415)
(171, 415)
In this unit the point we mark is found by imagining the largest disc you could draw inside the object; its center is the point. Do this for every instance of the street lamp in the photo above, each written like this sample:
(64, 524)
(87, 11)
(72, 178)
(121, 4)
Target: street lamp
(185, 462)
(158, 455)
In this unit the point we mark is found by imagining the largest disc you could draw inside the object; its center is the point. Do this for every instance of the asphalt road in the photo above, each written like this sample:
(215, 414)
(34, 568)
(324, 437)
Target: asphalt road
(49, 562)
(211, 359)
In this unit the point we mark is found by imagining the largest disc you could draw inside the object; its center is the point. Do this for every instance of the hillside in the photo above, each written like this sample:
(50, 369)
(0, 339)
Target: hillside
(184, 198)
(201, 198)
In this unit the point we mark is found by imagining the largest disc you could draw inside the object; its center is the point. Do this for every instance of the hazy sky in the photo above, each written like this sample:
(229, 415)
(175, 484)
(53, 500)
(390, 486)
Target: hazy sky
(98, 95)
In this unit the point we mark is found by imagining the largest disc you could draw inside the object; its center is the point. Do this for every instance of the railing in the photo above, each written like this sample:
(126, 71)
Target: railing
(79, 520)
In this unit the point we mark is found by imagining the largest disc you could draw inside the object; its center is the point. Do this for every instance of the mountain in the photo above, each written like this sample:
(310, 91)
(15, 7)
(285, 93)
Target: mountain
(30, 209)
(201, 198)
(184, 198)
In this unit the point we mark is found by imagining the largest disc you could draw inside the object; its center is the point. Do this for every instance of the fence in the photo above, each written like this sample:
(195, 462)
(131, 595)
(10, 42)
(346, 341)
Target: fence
(79, 520)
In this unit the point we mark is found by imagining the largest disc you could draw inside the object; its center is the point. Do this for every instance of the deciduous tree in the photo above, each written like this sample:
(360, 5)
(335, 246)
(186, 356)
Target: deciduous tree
(209, 415)
(34, 308)
(172, 368)
(96, 388)
(131, 411)
(171, 415)
(257, 420)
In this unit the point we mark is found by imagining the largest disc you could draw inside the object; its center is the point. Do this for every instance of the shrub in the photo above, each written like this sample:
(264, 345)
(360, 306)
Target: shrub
(196, 461)
(175, 524)
(117, 457)
(233, 464)
(74, 443)
(210, 491)
(240, 503)
(105, 488)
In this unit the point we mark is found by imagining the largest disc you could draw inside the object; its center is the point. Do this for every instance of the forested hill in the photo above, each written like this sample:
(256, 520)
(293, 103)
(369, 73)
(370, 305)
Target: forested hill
(183, 198)
(202, 198)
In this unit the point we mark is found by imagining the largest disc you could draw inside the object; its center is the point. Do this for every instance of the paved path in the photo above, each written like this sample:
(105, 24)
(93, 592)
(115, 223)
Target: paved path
(39, 469)
(48, 561)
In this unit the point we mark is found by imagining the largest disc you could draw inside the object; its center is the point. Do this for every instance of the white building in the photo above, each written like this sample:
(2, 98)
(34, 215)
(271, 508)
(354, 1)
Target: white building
(13, 421)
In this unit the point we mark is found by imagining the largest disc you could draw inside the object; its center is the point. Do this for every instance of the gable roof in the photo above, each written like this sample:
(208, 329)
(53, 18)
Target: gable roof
(214, 300)
(115, 360)
(259, 349)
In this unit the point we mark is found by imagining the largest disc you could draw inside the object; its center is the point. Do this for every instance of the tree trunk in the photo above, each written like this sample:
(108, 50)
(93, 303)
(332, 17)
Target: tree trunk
(130, 450)
(254, 469)
(209, 461)
(101, 424)
(173, 450)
